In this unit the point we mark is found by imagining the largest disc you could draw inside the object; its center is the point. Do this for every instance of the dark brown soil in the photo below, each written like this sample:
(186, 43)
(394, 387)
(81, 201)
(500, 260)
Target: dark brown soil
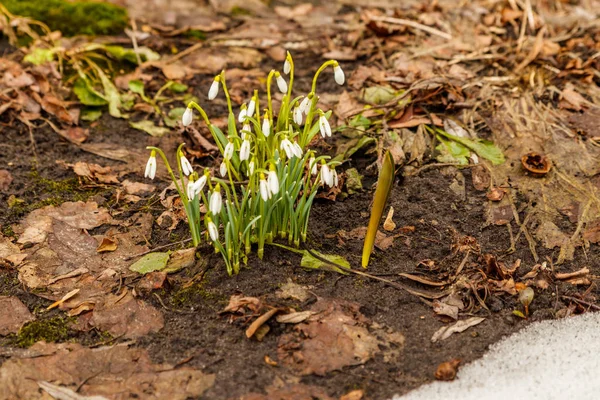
(195, 333)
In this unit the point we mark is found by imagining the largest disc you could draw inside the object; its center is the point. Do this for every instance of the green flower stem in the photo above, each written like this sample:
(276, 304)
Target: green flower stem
(222, 75)
(164, 158)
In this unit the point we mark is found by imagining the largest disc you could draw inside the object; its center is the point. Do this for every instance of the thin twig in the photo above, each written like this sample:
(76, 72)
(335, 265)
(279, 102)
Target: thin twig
(582, 302)
(413, 24)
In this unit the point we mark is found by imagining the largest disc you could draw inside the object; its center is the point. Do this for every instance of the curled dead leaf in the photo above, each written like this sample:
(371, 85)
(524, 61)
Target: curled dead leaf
(389, 224)
(446, 371)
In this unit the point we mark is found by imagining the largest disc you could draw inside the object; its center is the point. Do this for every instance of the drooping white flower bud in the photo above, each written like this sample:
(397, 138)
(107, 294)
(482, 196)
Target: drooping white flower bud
(186, 167)
(251, 107)
(297, 149)
(281, 83)
(251, 166)
(298, 115)
(266, 125)
(264, 188)
(190, 190)
(199, 185)
(335, 177)
(188, 116)
(287, 67)
(151, 166)
(246, 128)
(223, 169)
(216, 201)
(326, 176)
(214, 88)
(312, 165)
(324, 126)
(338, 75)
(304, 105)
(243, 113)
(228, 152)
(273, 181)
(245, 150)
(213, 232)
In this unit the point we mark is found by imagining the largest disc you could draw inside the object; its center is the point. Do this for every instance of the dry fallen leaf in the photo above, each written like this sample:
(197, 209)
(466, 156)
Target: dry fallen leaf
(446, 371)
(13, 315)
(5, 180)
(294, 317)
(107, 244)
(389, 224)
(460, 326)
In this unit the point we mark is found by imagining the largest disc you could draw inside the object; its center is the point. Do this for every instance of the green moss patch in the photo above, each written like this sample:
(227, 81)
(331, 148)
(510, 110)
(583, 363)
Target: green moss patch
(72, 17)
(49, 330)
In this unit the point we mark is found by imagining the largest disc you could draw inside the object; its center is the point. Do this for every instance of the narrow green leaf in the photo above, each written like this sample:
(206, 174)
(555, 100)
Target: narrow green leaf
(384, 187)
(150, 262)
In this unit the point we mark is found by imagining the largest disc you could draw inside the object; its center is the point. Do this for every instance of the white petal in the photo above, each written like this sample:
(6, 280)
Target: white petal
(150, 168)
(213, 232)
(313, 166)
(304, 105)
(287, 67)
(326, 177)
(223, 169)
(298, 116)
(214, 90)
(245, 150)
(266, 126)
(335, 178)
(297, 150)
(251, 107)
(187, 117)
(281, 84)
(186, 167)
(190, 190)
(228, 153)
(199, 185)
(216, 202)
(287, 147)
(323, 125)
(242, 115)
(273, 182)
(338, 75)
(247, 127)
(264, 190)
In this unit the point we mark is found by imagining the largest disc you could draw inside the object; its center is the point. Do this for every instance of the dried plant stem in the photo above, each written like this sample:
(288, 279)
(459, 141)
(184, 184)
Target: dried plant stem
(415, 25)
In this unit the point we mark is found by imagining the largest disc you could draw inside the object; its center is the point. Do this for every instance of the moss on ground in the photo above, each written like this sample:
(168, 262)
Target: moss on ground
(50, 330)
(73, 17)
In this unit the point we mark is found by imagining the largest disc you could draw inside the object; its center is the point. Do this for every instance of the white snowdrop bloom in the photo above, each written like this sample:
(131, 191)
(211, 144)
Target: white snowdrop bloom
(286, 146)
(216, 201)
(305, 105)
(151, 166)
(326, 176)
(243, 113)
(223, 169)
(199, 185)
(246, 128)
(281, 83)
(287, 67)
(264, 188)
(312, 165)
(335, 177)
(273, 182)
(298, 115)
(324, 126)
(245, 150)
(186, 167)
(251, 107)
(228, 152)
(266, 126)
(188, 116)
(251, 165)
(214, 89)
(338, 75)
(297, 149)
(213, 232)
(190, 190)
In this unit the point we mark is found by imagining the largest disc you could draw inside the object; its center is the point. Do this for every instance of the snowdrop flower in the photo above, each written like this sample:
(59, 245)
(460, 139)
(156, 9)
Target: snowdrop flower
(338, 74)
(223, 169)
(264, 188)
(266, 126)
(312, 165)
(251, 165)
(286, 146)
(188, 116)
(151, 166)
(245, 150)
(287, 67)
(304, 105)
(228, 152)
(281, 83)
(324, 126)
(243, 114)
(297, 150)
(251, 107)
(273, 181)
(214, 88)
(326, 175)
(199, 185)
(335, 177)
(216, 201)
(246, 128)
(186, 167)
(213, 232)
(298, 115)
(190, 190)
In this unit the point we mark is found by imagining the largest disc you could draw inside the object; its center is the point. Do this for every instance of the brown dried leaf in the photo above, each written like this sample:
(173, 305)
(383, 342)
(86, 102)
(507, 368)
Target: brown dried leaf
(389, 224)
(5, 180)
(238, 303)
(13, 315)
(447, 371)
(107, 244)
(259, 322)
(94, 172)
(294, 317)
(138, 188)
(460, 326)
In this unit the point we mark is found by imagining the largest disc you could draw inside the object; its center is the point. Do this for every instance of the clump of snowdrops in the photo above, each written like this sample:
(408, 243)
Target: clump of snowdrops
(268, 177)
